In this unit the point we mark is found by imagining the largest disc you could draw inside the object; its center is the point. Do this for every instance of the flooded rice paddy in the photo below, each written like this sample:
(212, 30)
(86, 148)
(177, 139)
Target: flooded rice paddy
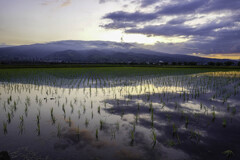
(120, 113)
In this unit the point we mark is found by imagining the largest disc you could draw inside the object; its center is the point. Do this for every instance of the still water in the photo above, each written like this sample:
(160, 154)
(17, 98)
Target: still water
(120, 113)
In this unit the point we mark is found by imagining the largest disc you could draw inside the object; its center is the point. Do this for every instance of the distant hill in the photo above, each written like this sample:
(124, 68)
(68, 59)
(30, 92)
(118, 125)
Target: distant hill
(92, 52)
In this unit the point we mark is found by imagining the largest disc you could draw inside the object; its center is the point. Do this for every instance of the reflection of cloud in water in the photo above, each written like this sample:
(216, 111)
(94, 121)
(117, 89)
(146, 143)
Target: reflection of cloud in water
(126, 154)
(148, 88)
(221, 74)
(81, 139)
(84, 142)
(173, 154)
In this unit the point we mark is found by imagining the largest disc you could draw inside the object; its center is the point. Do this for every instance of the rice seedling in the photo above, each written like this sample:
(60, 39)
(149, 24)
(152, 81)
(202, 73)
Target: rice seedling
(51, 112)
(69, 122)
(214, 116)
(182, 114)
(99, 109)
(154, 138)
(132, 137)
(113, 133)
(101, 124)
(168, 117)
(86, 122)
(179, 142)
(4, 106)
(38, 129)
(14, 106)
(136, 118)
(234, 110)
(79, 114)
(84, 109)
(228, 107)
(224, 123)
(5, 128)
(171, 143)
(21, 125)
(152, 120)
(21, 120)
(195, 135)
(53, 119)
(63, 109)
(117, 125)
(71, 105)
(59, 131)
(228, 153)
(176, 105)
(186, 121)
(38, 119)
(150, 106)
(174, 132)
(9, 118)
(201, 106)
(96, 134)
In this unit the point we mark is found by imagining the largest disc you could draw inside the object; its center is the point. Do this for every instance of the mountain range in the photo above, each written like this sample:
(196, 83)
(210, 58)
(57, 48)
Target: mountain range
(92, 52)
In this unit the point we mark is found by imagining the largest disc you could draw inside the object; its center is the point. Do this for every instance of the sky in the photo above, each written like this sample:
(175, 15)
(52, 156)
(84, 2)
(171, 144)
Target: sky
(206, 28)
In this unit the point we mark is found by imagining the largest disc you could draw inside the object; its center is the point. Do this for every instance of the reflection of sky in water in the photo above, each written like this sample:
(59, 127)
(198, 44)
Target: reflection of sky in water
(194, 104)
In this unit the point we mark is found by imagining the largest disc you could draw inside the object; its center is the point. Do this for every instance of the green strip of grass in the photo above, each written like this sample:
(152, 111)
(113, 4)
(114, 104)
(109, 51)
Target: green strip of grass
(9, 66)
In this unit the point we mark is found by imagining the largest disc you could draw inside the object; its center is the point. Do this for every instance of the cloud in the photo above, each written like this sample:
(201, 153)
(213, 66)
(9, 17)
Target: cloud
(61, 3)
(170, 29)
(219, 5)
(105, 1)
(130, 17)
(210, 26)
(225, 42)
(182, 7)
(66, 3)
(142, 3)
(146, 3)
(118, 25)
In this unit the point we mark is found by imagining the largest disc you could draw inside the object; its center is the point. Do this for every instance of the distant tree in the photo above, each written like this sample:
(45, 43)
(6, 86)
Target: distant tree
(192, 63)
(228, 63)
(179, 63)
(185, 63)
(165, 63)
(211, 63)
(239, 63)
(219, 64)
(174, 63)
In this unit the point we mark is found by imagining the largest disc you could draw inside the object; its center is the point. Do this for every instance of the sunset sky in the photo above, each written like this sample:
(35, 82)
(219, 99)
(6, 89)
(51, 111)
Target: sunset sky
(207, 28)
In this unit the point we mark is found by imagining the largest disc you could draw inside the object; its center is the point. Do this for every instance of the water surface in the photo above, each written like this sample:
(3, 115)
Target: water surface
(120, 113)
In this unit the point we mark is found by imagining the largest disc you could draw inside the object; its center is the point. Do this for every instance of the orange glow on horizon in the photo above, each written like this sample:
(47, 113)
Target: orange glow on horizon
(233, 56)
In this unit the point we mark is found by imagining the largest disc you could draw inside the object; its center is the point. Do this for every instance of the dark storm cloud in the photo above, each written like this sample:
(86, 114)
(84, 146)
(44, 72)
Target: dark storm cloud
(118, 25)
(165, 30)
(226, 41)
(179, 20)
(184, 7)
(180, 8)
(130, 17)
(218, 5)
(181, 30)
(173, 18)
(145, 3)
